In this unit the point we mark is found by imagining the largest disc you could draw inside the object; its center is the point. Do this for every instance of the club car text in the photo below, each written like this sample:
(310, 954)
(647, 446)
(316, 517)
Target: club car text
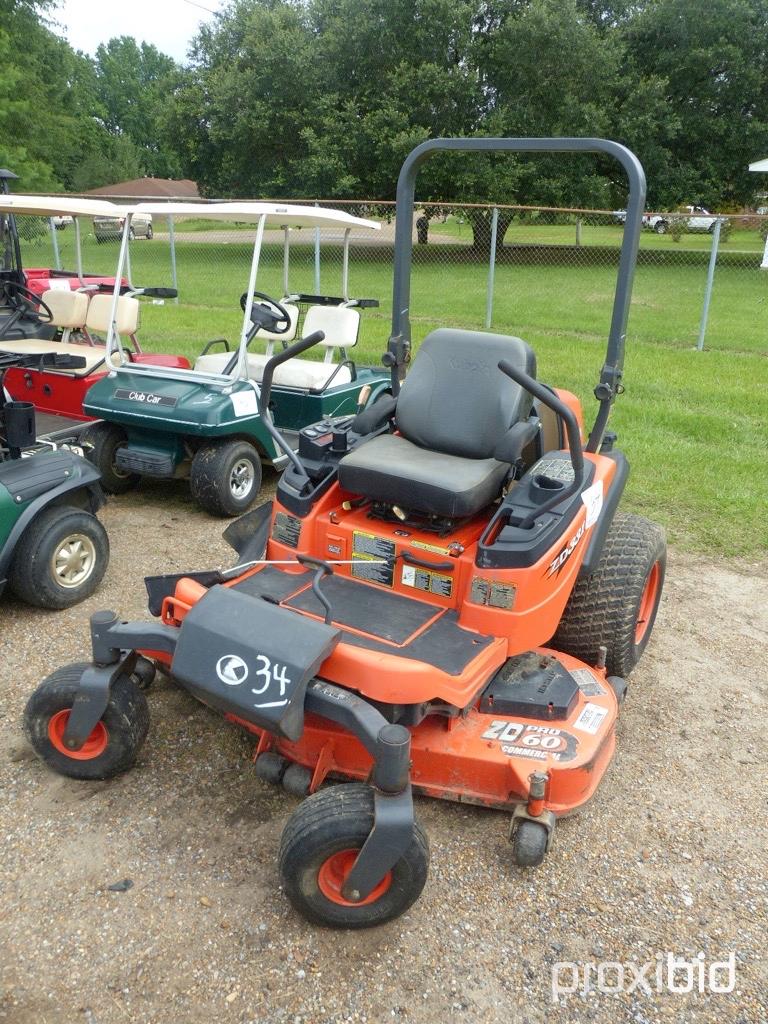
(146, 397)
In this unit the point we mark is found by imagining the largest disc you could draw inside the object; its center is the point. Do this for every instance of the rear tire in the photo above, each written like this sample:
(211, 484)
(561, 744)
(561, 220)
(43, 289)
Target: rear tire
(616, 606)
(319, 844)
(150, 233)
(660, 227)
(225, 478)
(113, 745)
(61, 558)
(101, 443)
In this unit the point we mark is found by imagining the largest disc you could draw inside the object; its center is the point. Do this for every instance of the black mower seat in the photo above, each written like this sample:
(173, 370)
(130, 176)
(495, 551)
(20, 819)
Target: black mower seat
(454, 407)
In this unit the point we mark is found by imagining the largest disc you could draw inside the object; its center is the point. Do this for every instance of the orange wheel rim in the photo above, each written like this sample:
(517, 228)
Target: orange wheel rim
(648, 602)
(333, 874)
(93, 747)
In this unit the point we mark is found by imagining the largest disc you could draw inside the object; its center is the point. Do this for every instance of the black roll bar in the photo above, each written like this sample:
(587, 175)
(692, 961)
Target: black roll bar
(399, 344)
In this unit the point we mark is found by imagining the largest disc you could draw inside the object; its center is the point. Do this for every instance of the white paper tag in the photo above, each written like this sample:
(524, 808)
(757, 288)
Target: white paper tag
(593, 500)
(244, 403)
(59, 284)
(409, 576)
(590, 719)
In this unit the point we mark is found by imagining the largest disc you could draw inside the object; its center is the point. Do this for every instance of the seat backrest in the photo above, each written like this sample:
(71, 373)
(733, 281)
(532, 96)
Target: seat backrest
(126, 318)
(340, 324)
(456, 400)
(69, 308)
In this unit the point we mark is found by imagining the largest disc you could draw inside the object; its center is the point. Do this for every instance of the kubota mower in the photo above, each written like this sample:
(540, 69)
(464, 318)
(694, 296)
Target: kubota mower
(442, 599)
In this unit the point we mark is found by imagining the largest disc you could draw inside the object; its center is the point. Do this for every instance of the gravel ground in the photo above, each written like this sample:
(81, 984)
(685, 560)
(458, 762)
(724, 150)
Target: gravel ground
(670, 857)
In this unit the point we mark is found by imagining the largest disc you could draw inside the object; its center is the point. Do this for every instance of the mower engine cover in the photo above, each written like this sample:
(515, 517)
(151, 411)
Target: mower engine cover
(251, 659)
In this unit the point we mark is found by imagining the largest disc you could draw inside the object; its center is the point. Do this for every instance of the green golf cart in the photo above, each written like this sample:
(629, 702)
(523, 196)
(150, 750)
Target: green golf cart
(203, 423)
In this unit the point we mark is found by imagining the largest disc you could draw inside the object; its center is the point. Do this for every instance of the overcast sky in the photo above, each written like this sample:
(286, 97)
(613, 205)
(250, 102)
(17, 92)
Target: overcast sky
(169, 24)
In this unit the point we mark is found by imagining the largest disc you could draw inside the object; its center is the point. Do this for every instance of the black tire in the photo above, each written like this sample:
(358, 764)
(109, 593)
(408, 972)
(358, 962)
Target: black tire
(131, 233)
(144, 673)
(61, 558)
(213, 477)
(125, 722)
(529, 844)
(296, 780)
(101, 442)
(270, 767)
(150, 233)
(326, 824)
(660, 227)
(605, 608)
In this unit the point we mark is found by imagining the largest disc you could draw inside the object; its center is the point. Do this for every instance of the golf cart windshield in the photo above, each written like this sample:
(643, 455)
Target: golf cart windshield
(262, 215)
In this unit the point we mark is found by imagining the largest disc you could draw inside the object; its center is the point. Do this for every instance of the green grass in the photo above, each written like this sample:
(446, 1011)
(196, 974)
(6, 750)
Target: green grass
(693, 424)
(533, 233)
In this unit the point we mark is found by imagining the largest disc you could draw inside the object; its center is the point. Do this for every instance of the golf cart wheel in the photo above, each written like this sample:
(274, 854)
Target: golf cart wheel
(318, 848)
(226, 477)
(270, 767)
(114, 743)
(101, 443)
(61, 559)
(529, 844)
(616, 606)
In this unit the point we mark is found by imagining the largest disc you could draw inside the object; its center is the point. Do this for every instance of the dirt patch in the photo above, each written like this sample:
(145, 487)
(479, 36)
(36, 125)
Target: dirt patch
(670, 857)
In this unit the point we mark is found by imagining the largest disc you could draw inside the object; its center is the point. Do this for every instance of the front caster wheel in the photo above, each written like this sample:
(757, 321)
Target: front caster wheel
(114, 743)
(296, 780)
(529, 844)
(318, 848)
(144, 673)
(270, 767)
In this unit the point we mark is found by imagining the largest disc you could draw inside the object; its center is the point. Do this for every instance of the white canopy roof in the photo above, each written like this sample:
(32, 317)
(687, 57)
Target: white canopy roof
(278, 215)
(759, 165)
(59, 206)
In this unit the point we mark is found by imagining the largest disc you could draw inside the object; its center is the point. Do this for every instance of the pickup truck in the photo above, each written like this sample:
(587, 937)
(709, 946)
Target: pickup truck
(698, 219)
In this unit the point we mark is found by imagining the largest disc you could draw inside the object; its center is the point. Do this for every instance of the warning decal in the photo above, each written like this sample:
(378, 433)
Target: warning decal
(373, 558)
(430, 582)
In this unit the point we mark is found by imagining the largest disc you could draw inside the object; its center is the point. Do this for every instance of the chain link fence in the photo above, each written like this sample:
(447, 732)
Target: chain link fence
(537, 272)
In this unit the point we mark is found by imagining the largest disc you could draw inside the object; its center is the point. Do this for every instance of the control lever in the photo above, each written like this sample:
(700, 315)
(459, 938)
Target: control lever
(266, 390)
(362, 398)
(323, 570)
(548, 398)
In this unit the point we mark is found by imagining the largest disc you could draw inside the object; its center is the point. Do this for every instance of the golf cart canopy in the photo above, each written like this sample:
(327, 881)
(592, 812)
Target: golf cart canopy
(282, 216)
(58, 206)
(277, 215)
(17, 204)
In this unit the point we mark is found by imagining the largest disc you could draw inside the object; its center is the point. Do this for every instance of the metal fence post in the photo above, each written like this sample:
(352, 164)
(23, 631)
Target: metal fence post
(55, 244)
(491, 267)
(578, 231)
(172, 240)
(710, 280)
(317, 258)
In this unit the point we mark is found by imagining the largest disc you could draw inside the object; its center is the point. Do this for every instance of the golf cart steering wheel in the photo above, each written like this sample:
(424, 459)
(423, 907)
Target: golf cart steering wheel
(277, 324)
(26, 300)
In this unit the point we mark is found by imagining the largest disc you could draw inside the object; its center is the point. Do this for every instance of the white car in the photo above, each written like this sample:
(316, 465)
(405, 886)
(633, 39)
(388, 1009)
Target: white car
(61, 222)
(698, 219)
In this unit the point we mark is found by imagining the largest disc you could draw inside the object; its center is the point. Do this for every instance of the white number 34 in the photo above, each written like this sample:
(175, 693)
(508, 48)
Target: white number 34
(270, 675)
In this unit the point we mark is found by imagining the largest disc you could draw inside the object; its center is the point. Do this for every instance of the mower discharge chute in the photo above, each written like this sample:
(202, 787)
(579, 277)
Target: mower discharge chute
(442, 599)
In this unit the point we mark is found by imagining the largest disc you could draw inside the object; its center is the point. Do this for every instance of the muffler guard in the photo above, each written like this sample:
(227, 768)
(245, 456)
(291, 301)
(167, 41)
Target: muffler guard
(245, 656)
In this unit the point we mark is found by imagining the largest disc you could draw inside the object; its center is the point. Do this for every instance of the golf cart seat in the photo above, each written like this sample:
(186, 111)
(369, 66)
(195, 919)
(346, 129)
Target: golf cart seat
(93, 355)
(341, 326)
(69, 309)
(453, 409)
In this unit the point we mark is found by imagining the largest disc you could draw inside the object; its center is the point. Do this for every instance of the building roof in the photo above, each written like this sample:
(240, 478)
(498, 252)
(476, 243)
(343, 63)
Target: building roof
(149, 188)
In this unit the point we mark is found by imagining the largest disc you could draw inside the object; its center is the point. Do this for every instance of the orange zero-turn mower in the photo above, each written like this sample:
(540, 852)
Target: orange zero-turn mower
(442, 599)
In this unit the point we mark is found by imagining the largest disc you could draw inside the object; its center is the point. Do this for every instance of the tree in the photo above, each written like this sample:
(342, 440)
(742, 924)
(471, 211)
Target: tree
(132, 85)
